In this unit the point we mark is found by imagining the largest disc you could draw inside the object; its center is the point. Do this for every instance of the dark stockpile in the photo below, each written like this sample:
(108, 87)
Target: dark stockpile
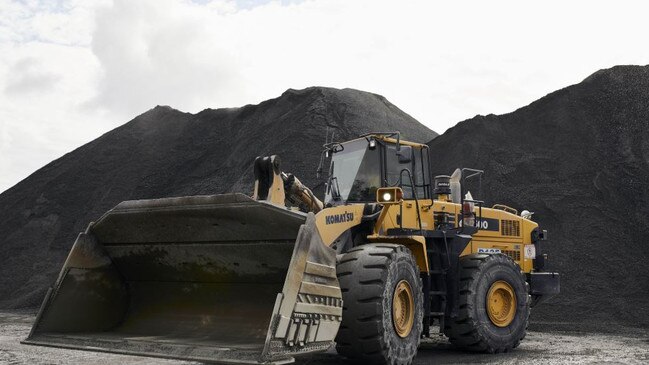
(164, 152)
(579, 158)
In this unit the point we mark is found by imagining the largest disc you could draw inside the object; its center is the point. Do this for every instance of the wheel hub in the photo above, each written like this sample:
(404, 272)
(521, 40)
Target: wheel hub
(403, 309)
(501, 303)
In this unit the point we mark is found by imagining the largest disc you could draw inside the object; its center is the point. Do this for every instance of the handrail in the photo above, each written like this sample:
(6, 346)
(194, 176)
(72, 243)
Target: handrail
(505, 208)
(414, 195)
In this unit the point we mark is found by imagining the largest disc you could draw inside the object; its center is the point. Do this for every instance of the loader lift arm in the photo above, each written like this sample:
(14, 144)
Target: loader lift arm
(275, 186)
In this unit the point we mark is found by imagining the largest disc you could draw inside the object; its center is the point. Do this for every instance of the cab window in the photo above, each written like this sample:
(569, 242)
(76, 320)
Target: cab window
(393, 170)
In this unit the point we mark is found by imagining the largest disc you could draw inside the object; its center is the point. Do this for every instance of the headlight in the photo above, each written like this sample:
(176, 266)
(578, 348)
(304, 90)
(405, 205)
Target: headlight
(392, 195)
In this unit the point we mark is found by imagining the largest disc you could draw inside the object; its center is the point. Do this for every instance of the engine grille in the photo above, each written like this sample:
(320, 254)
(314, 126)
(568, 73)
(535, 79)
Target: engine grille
(515, 255)
(510, 228)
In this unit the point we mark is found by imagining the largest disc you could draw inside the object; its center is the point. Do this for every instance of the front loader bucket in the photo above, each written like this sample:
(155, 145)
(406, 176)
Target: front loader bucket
(221, 278)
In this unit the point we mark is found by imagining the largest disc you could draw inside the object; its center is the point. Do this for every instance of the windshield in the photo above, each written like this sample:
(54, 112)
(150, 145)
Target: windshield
(356, 172)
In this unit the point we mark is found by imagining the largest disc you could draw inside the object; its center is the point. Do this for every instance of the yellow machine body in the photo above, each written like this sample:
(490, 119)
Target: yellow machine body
(512, 235)
(237, 279)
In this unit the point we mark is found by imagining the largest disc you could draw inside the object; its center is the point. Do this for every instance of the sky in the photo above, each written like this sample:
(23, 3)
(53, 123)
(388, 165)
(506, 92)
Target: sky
(71, 70)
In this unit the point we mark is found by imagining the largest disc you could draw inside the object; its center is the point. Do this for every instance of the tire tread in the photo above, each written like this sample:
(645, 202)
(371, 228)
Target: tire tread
(462, 331)
(362, 273)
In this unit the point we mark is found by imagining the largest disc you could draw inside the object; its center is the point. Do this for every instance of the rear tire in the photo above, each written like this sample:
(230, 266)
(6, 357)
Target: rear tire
(480, 326)
(372, 278)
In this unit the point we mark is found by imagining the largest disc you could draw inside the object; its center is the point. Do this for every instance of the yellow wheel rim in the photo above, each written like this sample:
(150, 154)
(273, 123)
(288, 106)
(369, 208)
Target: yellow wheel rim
(501, 303)
(403, 309)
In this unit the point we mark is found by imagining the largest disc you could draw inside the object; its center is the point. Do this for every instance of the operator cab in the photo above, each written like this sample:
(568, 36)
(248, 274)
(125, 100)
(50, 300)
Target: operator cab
(360, 166)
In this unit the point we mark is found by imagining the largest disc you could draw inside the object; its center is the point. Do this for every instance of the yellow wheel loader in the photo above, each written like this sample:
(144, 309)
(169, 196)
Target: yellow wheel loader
(262, 279)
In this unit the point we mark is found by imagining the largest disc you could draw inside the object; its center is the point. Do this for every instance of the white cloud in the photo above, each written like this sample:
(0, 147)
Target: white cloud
(71, 70)
(25, 76)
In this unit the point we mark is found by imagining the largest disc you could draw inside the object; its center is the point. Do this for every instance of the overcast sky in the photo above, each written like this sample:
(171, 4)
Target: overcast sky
(73, 70)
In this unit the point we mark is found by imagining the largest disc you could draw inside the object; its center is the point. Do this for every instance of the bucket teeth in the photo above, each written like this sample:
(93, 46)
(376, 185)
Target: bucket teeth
(310, 311)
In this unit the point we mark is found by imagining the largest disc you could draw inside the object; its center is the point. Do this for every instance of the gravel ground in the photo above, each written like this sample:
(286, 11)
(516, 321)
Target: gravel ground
(556, 347)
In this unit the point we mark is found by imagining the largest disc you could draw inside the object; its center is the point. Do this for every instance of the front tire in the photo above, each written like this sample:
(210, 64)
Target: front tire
(382, 305)
(494, 305)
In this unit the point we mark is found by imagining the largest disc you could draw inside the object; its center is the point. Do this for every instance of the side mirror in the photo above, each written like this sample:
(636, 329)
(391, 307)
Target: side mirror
(405, 154)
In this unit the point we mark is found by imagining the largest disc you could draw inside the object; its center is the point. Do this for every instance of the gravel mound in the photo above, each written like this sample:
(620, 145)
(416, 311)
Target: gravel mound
(163, 153)
(579, 158)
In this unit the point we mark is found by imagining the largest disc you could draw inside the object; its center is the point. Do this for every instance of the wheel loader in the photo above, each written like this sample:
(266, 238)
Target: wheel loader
(388, 254)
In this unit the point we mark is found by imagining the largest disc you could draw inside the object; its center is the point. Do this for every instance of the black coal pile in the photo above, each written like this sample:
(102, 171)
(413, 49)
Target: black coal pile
(579, 158)
(163, 153)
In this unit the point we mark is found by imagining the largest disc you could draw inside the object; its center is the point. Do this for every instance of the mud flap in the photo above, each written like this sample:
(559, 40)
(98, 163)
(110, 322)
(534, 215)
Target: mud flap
(222, 278)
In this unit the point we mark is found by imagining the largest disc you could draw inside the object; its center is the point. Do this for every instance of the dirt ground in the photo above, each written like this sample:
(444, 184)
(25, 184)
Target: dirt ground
(555, 347)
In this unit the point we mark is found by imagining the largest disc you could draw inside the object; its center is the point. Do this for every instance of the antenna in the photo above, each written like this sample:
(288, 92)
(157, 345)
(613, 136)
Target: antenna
(324, 154)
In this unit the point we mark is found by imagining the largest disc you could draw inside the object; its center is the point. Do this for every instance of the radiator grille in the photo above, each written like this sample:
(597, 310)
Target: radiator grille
(515, 255)
(510, 228)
